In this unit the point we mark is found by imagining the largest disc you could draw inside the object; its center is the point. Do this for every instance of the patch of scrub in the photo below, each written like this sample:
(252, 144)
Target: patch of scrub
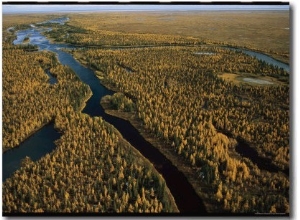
(229, 77)
(257, 81)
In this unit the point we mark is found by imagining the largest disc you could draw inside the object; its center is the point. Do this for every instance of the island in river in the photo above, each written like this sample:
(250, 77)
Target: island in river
(179, 101)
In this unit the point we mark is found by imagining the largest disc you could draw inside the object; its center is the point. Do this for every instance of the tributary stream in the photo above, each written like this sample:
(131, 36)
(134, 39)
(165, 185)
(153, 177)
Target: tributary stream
(42, 141)
(185, 196)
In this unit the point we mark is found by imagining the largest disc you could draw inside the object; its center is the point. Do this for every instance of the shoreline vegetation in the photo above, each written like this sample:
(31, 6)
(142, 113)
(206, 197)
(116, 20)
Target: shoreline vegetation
(151, 167)
(263, 17)
(203, 190)
(137, 124)
(271, 55)
(129, 187)
(254, 30)
(211, 205)
(247, 27)
(99, 40)
(28, 136)
(167, 151)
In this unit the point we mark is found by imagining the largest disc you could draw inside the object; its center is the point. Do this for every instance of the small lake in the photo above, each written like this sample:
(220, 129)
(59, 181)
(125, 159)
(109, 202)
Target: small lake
(257, 81)
(204, 53)
(185, 196)
(42, 142)
(35, 147)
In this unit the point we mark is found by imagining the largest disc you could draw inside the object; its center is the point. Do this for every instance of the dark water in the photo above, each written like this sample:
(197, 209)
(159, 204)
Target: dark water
(186, 198)
(245, 150)
(52, 79)
(263, 163)
(35, 147)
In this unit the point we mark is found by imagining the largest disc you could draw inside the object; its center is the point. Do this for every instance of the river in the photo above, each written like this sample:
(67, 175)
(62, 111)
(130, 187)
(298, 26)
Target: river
(185, 196)
(266, 58)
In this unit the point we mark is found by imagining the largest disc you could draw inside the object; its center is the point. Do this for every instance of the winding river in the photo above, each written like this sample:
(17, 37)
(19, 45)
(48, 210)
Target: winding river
(185, 196)
(42, 142)
(263, 57)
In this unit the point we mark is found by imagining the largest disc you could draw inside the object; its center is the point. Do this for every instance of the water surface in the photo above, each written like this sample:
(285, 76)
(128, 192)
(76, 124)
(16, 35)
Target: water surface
(257, 81)
(186, 198)
(35, 147)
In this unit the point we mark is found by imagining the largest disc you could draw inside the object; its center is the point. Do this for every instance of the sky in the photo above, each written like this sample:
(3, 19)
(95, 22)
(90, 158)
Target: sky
(7, 9)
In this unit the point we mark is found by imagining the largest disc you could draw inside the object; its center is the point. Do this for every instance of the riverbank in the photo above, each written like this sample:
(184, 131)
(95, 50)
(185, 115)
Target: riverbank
(278, 57)
(129, 147)
(204, 191)
(183, 166)
(84, 101)
(4, 149)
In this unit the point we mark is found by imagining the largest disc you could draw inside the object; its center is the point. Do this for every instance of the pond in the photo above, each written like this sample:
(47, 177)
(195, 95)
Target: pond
(35, 147)
(257, 81)
(185, 196)
(204, 53)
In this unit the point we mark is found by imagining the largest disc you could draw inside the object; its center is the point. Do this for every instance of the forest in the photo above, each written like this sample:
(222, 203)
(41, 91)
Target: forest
(267, 32)
(187, 92)
(92, 168)
(192, 108)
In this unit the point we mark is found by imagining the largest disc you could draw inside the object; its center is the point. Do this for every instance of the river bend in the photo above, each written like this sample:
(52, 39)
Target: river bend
(187, 200)
(185, 196)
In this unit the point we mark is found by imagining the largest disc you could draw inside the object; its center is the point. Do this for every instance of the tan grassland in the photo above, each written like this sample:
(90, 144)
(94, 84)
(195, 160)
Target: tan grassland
(266, 31)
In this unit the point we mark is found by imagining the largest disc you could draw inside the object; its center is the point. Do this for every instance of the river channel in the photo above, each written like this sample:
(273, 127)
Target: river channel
(263, 57)
(185, 196)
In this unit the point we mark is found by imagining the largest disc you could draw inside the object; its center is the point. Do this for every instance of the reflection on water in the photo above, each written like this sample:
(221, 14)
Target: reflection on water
(186, 198)
(36, 38)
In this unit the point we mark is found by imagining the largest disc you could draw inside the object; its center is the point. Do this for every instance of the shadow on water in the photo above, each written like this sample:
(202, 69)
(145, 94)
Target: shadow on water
(52, 78)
